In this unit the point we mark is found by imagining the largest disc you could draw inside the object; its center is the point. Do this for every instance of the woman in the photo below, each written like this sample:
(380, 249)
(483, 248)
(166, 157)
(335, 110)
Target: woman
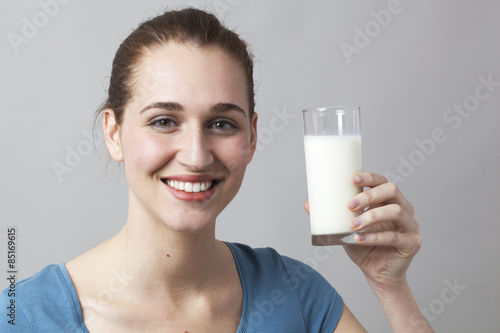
(180, 116)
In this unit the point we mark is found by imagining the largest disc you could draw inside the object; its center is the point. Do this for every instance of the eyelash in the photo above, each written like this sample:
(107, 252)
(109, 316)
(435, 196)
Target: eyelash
(228, 124)
(156, 123)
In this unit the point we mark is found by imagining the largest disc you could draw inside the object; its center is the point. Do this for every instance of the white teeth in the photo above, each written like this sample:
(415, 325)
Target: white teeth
(190, 187)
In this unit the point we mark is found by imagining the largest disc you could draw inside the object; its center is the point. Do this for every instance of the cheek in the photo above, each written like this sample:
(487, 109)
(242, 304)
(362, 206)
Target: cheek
(144, 152)
(235, 154)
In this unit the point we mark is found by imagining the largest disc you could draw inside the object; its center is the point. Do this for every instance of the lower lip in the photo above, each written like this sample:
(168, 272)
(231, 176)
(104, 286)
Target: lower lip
(192, 196)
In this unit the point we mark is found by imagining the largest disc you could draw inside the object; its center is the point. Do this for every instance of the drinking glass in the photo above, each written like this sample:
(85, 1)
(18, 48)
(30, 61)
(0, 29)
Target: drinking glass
(332, 141)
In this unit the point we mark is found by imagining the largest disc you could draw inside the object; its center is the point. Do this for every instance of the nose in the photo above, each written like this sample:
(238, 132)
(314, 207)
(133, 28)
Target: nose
(195, 152)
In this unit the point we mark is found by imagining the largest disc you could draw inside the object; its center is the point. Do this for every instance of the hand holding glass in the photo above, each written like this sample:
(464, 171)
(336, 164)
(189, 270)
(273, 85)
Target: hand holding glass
(332, 141)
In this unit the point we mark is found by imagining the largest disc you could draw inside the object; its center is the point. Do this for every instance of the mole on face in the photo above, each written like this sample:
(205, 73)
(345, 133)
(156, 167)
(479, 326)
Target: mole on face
(168, 255)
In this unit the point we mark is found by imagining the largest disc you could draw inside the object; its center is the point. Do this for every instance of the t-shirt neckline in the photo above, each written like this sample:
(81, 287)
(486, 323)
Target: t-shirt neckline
(79, 312)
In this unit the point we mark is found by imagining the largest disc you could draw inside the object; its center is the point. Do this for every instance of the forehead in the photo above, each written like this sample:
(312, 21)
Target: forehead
(189, 75)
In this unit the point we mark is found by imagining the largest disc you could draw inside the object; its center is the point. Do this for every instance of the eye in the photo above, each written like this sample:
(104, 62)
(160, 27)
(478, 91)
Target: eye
(163, 123)
(223, 125)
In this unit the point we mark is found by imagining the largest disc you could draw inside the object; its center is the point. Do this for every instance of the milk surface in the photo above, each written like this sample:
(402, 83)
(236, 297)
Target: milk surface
(330, 162)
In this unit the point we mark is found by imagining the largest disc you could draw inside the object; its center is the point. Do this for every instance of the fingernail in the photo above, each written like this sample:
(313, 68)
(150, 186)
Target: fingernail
(356, 222)
(358, 179)
(360, 237)
(354, 203)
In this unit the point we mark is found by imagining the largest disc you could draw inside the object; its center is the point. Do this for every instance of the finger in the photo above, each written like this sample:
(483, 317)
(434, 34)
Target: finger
(383, 193)
(306, 206)
(368, 179)
(407, 244)
(389, 213)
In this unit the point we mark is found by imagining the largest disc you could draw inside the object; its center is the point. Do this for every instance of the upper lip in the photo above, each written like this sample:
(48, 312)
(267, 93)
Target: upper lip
(192, 178)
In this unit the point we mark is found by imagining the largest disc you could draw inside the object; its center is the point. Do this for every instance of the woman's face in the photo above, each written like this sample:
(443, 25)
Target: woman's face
(186, 137)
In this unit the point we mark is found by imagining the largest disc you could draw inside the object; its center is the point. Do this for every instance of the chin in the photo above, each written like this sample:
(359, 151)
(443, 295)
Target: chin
(190, 227)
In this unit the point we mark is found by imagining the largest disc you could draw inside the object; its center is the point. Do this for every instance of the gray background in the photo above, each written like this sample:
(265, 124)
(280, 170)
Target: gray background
(414, 69)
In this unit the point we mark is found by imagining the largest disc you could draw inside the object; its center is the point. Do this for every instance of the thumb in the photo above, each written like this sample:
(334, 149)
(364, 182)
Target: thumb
(306, 206)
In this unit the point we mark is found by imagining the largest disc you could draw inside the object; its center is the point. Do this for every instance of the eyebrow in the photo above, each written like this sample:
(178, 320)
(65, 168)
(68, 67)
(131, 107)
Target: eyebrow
(174, 106)
(169, 106)
(226, 107)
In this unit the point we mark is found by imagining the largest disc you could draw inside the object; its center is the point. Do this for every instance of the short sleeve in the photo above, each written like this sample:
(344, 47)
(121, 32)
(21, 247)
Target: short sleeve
(44, 302)
(320, 303)
(12, 317)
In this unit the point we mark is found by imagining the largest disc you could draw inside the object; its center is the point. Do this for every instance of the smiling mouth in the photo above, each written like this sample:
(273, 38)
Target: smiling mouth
(191, 187)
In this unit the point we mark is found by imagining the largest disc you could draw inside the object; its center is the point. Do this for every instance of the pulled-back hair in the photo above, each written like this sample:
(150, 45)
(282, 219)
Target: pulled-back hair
(188, 26)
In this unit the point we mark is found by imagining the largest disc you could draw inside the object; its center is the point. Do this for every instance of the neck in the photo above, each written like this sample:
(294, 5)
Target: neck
(161, 262)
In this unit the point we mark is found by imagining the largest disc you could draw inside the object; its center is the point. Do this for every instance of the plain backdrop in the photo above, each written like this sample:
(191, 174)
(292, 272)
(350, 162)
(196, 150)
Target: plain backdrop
(425, 73)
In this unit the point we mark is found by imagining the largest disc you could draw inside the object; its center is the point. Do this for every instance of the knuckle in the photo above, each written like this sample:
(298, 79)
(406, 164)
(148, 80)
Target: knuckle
(373, 237)
(371, 216)
(371, 175)
(393, 237)
(418, 243)
(368, 195)
(398, 211)
(393, 188)
(411, 209)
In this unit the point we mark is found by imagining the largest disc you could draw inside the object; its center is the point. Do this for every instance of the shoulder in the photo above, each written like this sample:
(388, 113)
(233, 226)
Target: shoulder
(43, 301)
(262, 262)
(254, 256)
(48, 277)
(277, 284)
(261, 265)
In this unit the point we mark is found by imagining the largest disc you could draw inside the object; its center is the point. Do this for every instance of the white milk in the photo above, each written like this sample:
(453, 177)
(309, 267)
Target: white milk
(330, 163)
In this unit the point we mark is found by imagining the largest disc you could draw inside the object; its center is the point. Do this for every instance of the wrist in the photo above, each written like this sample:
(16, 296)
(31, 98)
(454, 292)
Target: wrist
(389, 287)
(400, 306)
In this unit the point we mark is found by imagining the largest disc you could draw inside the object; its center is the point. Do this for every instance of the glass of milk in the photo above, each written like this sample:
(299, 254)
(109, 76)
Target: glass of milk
(332, 141)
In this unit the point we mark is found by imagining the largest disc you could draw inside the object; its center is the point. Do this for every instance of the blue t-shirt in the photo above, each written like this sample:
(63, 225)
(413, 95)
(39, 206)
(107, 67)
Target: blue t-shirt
(280, 294)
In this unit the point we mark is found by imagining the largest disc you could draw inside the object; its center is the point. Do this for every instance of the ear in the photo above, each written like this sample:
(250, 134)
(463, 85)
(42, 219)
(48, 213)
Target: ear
(112, 135)
(253, 135)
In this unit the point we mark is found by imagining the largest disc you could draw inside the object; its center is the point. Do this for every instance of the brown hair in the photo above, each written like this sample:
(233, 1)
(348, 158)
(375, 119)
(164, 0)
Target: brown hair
(187, 26)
